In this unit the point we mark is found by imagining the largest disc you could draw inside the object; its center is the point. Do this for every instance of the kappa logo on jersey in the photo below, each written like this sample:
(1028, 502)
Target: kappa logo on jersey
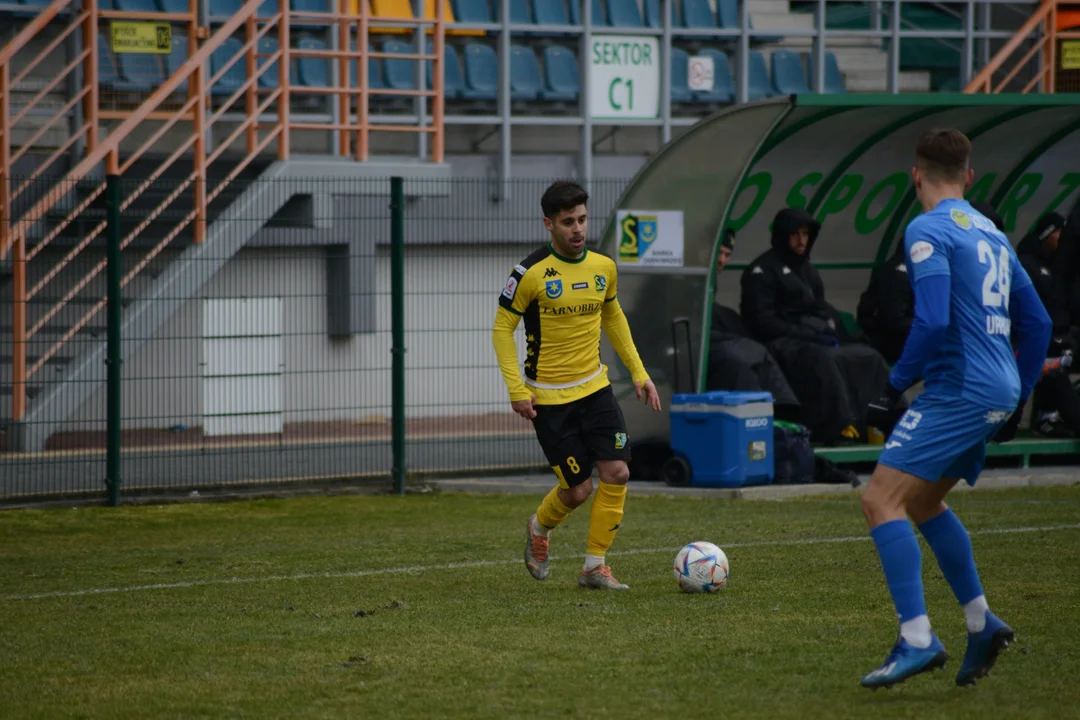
(553, 288)
(580, 286)
(921, 251)
(601, 283)
(511, 288)
(551, 272)
(961, 218)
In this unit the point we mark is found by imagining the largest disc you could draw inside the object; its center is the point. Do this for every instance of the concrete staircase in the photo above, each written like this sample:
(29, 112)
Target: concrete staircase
(863, 61)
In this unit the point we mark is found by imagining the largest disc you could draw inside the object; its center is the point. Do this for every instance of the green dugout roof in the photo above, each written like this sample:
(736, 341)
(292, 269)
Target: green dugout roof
(847, 159)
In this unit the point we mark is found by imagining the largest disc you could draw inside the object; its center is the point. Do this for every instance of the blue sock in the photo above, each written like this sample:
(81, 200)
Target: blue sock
(901, 560)
(946, 536)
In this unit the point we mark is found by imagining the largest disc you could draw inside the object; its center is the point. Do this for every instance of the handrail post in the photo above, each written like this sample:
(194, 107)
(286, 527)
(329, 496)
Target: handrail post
(90, 73)
(438, 79)
(397, 323)
(199, 126)
(283, 80)
(1051, 49)
(344, 79)
(362, 73)
(5, 157)
(114, 358)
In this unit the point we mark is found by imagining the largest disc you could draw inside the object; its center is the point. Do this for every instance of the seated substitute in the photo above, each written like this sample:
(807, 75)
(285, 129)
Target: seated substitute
(738, 363)
(783, 306)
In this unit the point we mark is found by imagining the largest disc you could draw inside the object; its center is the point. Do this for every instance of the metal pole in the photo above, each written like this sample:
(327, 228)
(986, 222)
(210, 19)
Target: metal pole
(420, 74)
(504, 99)
(397, 325)
(968, 56)
(665, 86)
(894, 49)
(114, 272)
(585, 161)
(875, 17)
(984, 51)
(819, 48)
(742, 83)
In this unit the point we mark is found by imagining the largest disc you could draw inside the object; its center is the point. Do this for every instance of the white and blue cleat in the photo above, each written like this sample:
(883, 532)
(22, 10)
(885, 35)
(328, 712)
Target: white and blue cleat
(906, 661)
(983, 649)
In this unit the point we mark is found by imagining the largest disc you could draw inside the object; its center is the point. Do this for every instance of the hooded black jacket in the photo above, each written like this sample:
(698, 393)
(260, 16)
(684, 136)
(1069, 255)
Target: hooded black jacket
(1039, 266)
(887, 307)
(782, 293)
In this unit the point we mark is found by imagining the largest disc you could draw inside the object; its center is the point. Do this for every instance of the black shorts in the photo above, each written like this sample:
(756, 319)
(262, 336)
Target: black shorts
(575, 435)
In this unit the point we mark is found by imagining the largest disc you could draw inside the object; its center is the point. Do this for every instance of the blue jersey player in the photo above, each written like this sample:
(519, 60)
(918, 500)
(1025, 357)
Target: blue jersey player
(971, 296)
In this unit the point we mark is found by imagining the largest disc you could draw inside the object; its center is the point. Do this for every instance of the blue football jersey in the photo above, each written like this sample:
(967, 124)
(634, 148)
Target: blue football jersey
(976, 362)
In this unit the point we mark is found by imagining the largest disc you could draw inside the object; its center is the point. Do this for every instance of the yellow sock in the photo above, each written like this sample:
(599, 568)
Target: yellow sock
(605, 516)
(552, 511)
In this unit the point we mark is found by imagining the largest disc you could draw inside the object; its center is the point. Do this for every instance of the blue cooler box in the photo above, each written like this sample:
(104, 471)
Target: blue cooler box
(725, 437)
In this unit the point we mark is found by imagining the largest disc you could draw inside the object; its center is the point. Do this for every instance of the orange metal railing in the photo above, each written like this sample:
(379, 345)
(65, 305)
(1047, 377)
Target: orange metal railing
(1041, 29)
(179, 139)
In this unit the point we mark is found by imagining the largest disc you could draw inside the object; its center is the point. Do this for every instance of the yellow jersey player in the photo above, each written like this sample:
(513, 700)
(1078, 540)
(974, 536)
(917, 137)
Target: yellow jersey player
(566, 293)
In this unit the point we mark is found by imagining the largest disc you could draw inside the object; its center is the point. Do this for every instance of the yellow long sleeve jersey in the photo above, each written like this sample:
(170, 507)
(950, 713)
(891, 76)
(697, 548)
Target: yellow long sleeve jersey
(564, 303)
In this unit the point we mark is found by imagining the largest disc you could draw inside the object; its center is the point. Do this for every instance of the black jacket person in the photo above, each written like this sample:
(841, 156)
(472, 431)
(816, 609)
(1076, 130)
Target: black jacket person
(887, 307)
(784, 307)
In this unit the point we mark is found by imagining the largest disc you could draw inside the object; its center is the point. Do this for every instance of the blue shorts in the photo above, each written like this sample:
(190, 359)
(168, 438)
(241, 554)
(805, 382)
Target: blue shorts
(941, 437)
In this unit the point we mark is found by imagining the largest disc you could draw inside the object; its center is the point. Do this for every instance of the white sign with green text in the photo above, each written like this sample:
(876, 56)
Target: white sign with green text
(624, 77)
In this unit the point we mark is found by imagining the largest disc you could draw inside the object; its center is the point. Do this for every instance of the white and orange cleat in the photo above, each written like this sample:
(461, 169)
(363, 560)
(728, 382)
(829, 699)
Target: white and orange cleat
(600, 578)
(536, 552)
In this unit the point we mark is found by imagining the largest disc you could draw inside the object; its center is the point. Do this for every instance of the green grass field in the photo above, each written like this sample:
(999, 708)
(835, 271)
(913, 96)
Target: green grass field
(420, 606)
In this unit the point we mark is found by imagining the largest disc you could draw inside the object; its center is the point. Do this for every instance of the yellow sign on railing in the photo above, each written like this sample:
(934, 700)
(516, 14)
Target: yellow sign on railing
(141, 37)
(1070, 54)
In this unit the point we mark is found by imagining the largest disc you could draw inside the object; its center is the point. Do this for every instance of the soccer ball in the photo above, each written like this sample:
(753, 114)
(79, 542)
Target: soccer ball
(701, 567)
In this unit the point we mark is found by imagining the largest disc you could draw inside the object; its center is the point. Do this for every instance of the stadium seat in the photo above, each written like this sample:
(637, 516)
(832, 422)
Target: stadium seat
(481, 71)
(222, 10)
(758, 84)
(727, 14)
(268, 80)
(235, 76)
(695, 14)
(680, 69)
(788, 76)
(399, 74)
(519, 12)
(175, 59)
(375, 75)
(314, 6)
(525, 82)
(453, 79)
(267, 9)
(172, 6)
(652, 14)
(723, 90)
(562, 82)
(834, 81)
(624, 13)
(310, 71)
(34, 5)
(108, 75)
(136, 6)
(472, 11)
(599, 16)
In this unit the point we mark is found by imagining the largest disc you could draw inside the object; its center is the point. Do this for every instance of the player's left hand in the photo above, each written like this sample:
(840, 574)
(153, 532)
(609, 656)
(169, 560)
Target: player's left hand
(887, 400)
(651, 397)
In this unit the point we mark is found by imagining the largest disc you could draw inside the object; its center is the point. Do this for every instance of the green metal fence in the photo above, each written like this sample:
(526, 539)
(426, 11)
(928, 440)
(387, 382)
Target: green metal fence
(315, 336)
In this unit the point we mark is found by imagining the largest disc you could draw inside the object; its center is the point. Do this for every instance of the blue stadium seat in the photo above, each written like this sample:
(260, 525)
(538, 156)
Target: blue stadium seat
(680, 62)
(624, 13)
(471, 11)
(834, 81)
(727, 14)
(551, 12)
(267, 9)
(695, 14)
(319, 6)
(375, 76)
(221, 10)
(788, 76)
(108, 75)
(453, 79)
(481, 71)
(758, 85)
(562, 82)
(652, 14)
(599, 15)
(312, 72)
(235, 76)
(525, 82)
(172, 6)
(399, 74)
(33, 6)
(723, 90)
(140, 73)
(135, 6)
(519, 12)
(176, 58)
(268, 80)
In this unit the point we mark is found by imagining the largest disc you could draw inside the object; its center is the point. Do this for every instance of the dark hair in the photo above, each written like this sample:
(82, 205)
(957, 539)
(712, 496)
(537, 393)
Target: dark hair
(944, 155)
(562, 195)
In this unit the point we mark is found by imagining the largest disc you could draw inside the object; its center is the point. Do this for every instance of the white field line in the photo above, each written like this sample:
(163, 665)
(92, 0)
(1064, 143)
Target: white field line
(418, 569)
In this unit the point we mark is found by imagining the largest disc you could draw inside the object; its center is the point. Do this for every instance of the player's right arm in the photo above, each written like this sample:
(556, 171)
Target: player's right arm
(928, 257)
(513, 301)
(1031, 328)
